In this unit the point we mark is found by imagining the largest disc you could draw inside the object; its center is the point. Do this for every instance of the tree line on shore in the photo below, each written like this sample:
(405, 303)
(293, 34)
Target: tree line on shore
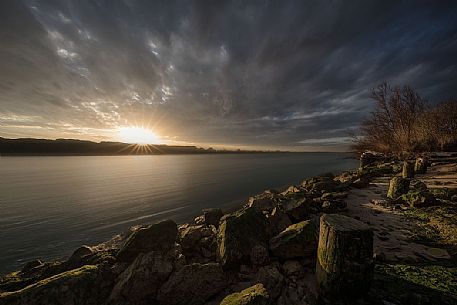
(403, 122)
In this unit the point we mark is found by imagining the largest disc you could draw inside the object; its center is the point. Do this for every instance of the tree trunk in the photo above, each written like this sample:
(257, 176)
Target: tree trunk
(344, 267)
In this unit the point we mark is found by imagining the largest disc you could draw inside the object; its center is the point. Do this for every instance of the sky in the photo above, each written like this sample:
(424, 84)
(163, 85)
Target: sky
(252, 74)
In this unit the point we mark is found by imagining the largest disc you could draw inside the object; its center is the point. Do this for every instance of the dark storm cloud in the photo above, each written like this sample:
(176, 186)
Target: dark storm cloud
(265, 73)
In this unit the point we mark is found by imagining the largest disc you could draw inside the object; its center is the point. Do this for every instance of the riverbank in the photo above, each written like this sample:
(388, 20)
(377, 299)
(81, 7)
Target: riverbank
(272, 240)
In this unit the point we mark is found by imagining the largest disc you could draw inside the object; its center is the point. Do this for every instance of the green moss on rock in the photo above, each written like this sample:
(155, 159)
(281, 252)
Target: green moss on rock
(255, 295)
(238, 234)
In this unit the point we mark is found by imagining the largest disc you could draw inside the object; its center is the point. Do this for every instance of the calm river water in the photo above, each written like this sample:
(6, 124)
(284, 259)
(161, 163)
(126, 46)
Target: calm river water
(51, 205)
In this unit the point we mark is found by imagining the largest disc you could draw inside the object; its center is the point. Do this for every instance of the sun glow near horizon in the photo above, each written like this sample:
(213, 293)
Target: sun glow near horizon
(138, 135)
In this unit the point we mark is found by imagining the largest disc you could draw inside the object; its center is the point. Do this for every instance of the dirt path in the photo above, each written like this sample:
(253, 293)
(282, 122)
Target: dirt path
(393, 231)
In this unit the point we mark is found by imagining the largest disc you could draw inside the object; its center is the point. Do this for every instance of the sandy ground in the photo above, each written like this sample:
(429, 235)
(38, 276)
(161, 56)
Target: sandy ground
(393, 231)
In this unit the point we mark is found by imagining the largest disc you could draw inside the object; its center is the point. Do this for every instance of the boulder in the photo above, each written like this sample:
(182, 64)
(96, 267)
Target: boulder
(238, 233)
(139, 283)
(298, 208)
(344, 264)
(262, 202)
(298, 240)
(79, 254)
(255, 295)
(157, 237)
(397, 187)
(87, 285)
(192, 234)
(408, 170)
(193, 285)
(271, 279)
(278, 221)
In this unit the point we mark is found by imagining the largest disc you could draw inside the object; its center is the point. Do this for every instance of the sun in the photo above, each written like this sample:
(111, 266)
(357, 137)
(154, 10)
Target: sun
(137, 135)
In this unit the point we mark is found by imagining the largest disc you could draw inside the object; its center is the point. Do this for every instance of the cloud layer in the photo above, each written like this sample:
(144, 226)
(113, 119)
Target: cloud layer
(260, 73)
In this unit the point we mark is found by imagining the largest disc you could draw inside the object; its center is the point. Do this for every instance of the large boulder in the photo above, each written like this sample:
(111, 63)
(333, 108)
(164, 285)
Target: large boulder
(298, 208)
(193, 285)
(262, 202)
(298, 240)
(139, 283)
(238, 233)
(88, 285)
(159, 237)
(397, 187)
(255, 295)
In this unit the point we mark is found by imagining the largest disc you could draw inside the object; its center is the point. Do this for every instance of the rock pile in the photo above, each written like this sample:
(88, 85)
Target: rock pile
(260, 254)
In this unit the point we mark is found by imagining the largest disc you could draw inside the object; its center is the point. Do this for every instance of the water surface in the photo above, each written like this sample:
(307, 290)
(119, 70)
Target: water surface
(51, 205)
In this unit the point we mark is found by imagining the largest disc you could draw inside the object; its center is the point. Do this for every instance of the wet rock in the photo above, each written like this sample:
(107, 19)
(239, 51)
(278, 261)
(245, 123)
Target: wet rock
(298, 240)
(344, 257)
(139, 283)
(193, 285)
(271, 279)
(255, 295)
(157, 237)
(397, 187)
(238, 234)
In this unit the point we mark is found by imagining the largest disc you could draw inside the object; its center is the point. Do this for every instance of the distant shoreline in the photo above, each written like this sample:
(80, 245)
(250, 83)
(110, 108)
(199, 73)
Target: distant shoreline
(26, 147)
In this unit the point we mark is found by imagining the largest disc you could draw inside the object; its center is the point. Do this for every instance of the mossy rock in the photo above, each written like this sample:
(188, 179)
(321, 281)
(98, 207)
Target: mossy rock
(78, 286)
(418, 198)
(255, 295)
(397, 187)
(159, 237)
(238, 233)
(297, 240)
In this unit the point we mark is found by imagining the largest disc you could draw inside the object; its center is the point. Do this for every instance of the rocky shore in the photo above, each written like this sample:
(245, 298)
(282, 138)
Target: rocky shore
(384, 234)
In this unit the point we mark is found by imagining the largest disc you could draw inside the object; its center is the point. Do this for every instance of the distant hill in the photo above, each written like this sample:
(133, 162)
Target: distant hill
(43, 147)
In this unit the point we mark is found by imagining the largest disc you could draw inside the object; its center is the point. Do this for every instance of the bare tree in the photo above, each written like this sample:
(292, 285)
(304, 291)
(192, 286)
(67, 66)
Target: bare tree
(392, 126)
